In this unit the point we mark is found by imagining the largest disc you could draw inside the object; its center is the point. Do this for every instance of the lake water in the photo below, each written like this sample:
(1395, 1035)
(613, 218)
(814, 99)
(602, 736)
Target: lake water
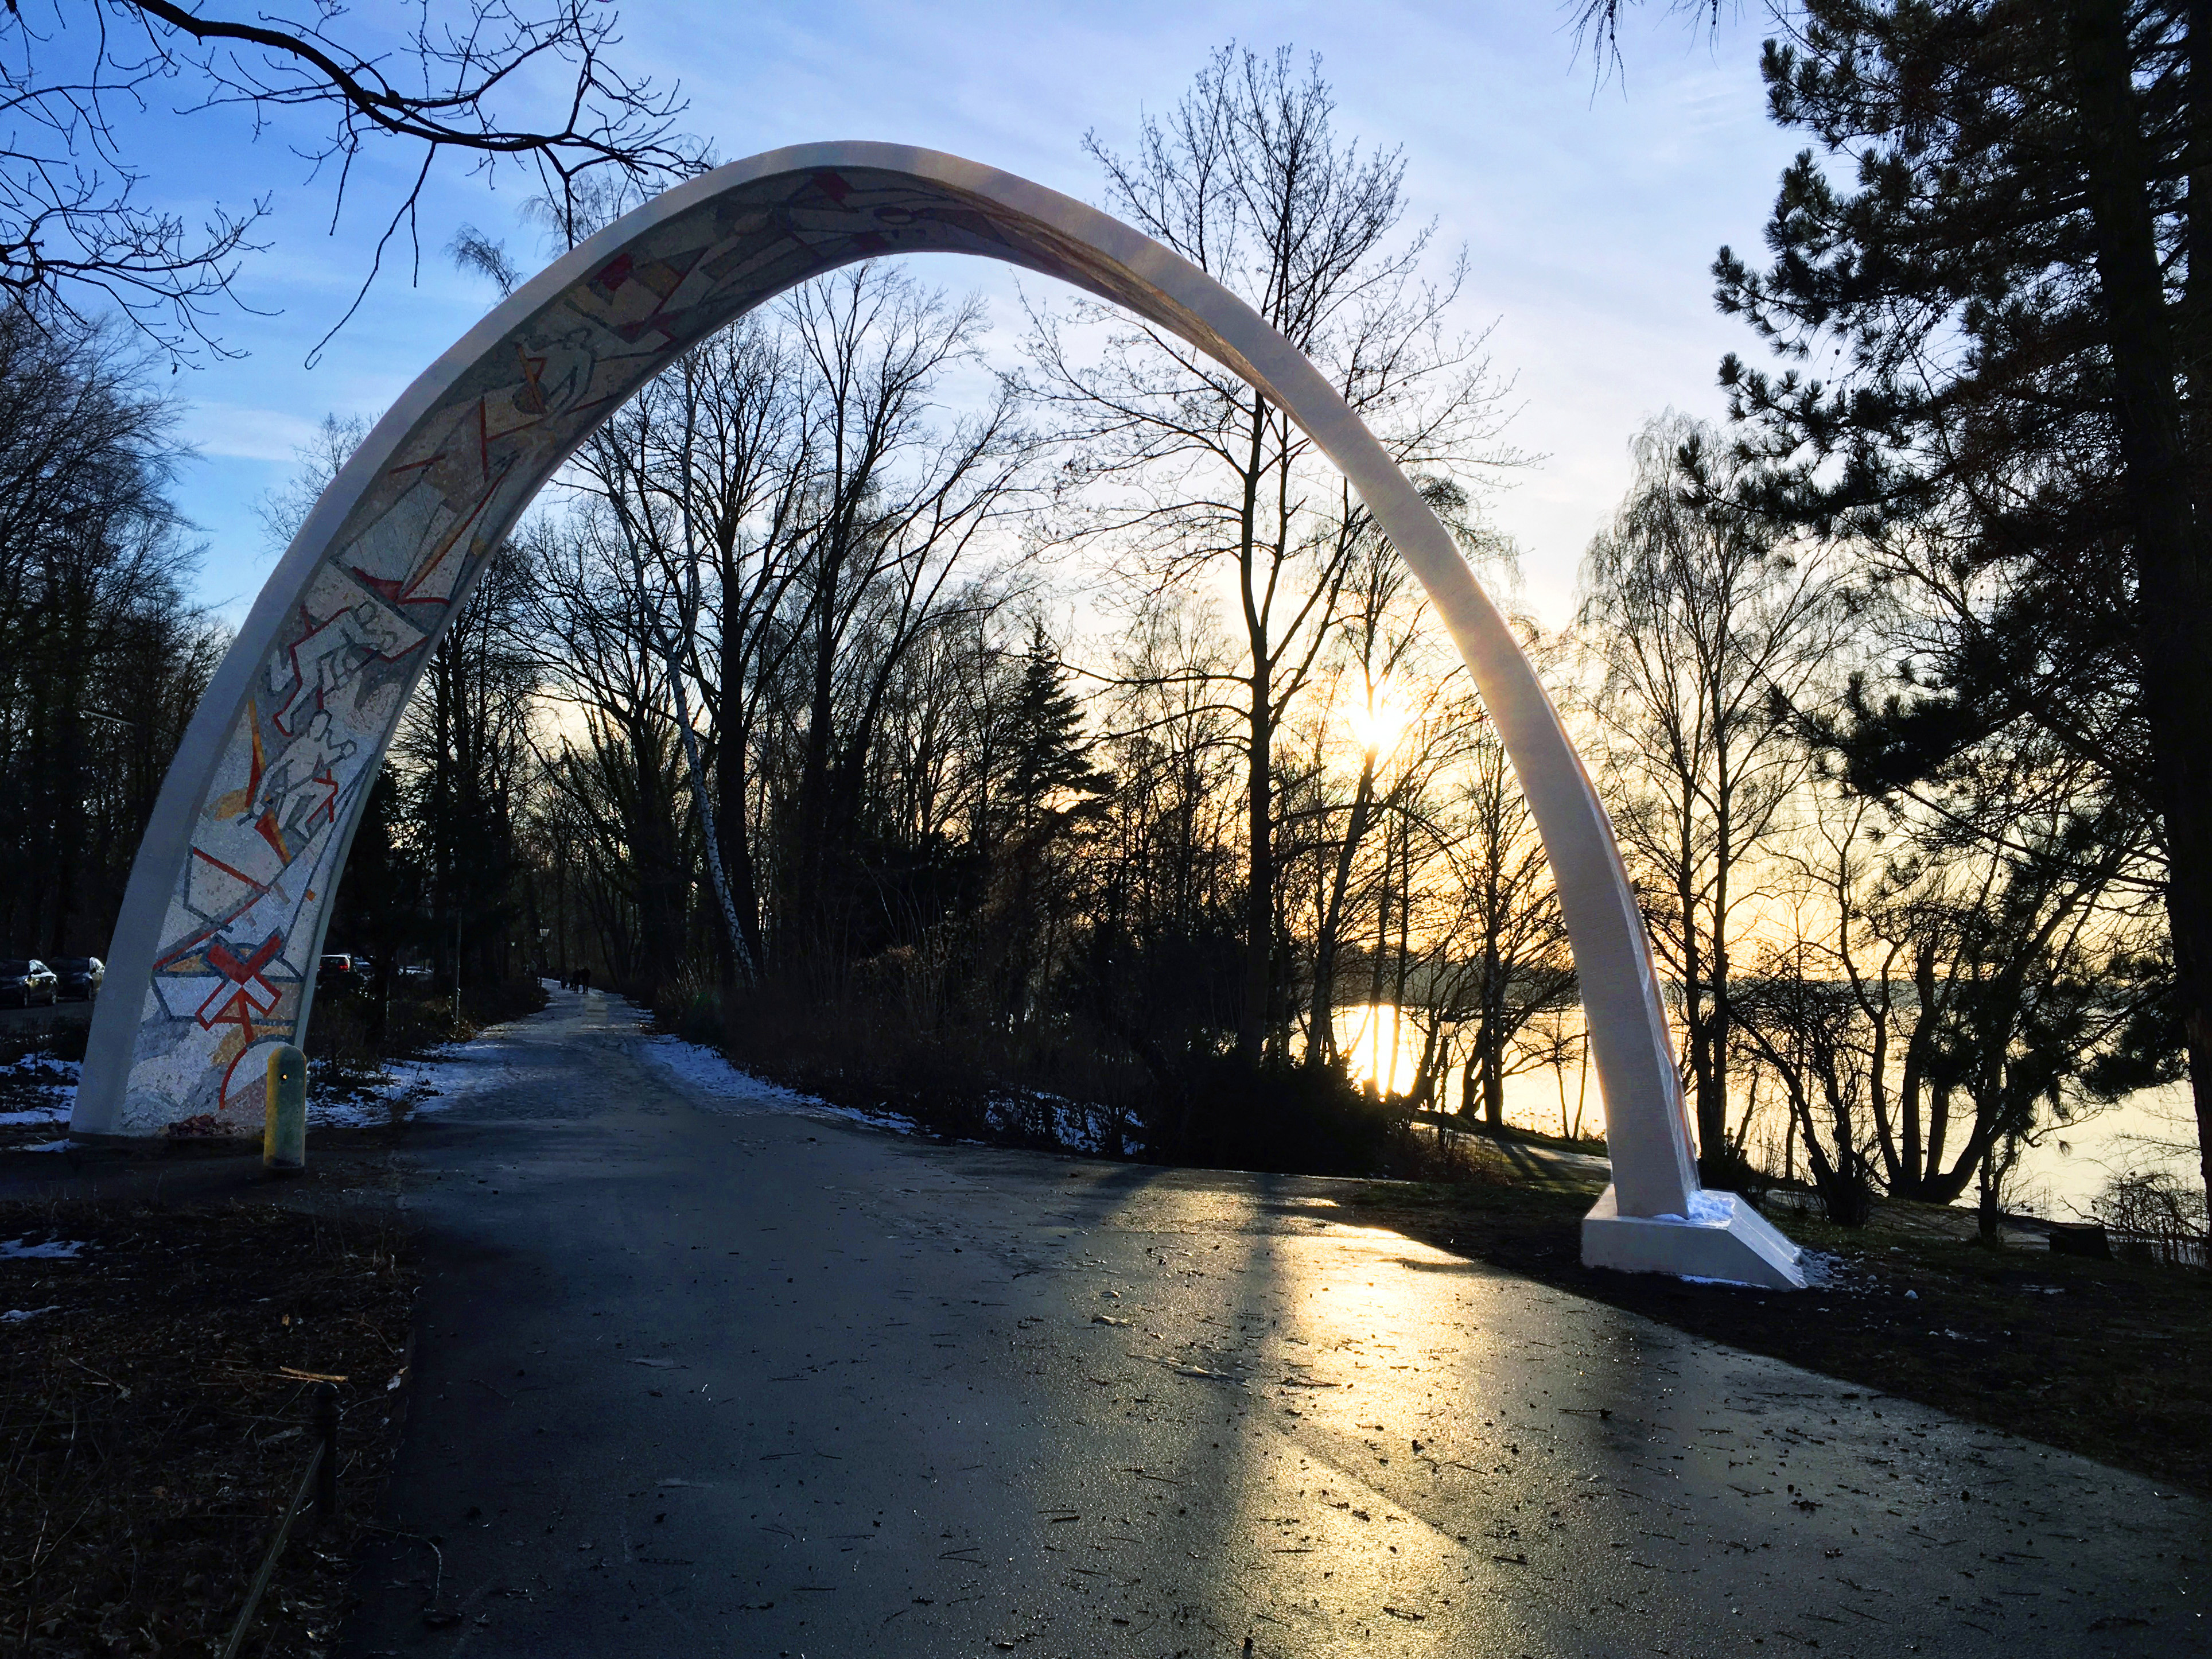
(2060, 1176)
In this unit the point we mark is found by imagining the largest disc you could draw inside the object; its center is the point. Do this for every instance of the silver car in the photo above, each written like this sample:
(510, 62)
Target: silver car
(29, 982)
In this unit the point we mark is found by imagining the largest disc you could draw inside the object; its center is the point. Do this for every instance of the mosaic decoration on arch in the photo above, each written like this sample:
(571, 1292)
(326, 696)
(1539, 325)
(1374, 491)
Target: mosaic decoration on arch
(234, 971)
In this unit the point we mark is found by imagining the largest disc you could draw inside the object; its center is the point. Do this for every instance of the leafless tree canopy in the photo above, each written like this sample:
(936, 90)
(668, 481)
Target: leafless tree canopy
(102, 656)
(1179, 467)
(91, 90)
(1707, 637)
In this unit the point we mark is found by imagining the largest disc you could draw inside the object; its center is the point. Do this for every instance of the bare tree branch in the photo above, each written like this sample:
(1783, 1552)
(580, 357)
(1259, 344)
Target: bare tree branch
(78, 235)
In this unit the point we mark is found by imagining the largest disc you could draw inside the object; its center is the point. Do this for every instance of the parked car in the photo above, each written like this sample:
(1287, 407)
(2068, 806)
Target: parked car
(29, 982)
(340, 971)
(81, 977)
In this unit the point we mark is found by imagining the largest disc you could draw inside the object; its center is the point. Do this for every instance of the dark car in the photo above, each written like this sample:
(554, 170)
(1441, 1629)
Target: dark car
(28, 983)
(81, 977)
(341, 971)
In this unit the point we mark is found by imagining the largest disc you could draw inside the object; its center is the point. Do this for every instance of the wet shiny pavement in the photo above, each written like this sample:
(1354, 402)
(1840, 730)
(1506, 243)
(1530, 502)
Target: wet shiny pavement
(717, 1382)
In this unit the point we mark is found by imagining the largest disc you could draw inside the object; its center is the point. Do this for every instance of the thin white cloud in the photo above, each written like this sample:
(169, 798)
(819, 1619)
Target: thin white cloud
(237, 432)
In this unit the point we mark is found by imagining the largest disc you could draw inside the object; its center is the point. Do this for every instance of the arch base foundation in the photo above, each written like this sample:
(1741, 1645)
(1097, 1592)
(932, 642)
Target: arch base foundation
(1723, 1238)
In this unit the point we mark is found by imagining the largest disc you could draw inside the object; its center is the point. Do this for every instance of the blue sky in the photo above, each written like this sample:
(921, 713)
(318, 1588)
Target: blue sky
(1590, 212)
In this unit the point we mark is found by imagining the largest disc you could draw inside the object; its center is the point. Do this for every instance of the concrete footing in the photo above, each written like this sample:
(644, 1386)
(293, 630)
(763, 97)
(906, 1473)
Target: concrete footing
(1722, 1238)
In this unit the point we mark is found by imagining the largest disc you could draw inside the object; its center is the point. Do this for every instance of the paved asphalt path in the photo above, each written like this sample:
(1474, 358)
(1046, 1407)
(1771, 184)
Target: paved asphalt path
(693, 1379)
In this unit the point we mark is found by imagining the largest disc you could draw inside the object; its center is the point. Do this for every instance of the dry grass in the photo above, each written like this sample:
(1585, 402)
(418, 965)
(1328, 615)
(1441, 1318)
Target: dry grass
(155, 1420)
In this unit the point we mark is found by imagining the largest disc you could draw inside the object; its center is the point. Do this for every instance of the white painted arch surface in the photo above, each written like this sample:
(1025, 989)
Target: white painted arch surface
(213, 959)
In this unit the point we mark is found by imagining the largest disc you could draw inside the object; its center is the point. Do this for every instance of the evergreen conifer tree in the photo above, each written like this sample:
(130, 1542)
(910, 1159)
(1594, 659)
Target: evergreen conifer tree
(2000, 389)
(1051, 778)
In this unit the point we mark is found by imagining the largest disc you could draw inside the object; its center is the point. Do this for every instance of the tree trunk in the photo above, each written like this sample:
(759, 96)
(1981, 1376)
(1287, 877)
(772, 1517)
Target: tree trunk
(2173, 575)
(1493, 1075)
(1321, 1047)
(1711, 1112)
(1259, 754)
(733, 777)
(1490, 1036)
(808, 858)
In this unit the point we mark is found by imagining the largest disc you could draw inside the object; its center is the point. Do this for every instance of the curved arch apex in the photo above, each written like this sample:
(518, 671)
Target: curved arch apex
(213, 959)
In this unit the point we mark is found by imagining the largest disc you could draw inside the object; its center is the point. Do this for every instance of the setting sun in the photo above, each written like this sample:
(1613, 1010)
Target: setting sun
(1379, 1048)
(1380, 725)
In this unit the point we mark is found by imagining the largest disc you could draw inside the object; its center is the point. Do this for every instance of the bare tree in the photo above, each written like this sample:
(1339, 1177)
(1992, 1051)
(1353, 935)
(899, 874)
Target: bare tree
(1165, 962)
(1192, 468)
(316, 462)
(464, 747)
(77, 230)
(595, 636)
(1377, 633)
(2015, 972)
(101, 658)
(1805, 1028)
(903, 509)
(681, 471)
(1709, 639)
(1517, 964)
(775, 531)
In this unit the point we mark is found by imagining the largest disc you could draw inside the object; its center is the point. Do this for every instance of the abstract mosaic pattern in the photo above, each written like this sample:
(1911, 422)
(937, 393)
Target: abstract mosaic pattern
(232, 973)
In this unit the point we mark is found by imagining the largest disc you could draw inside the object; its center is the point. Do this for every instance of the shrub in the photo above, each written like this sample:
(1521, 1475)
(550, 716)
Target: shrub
(701, 1020)
(1276, 1117)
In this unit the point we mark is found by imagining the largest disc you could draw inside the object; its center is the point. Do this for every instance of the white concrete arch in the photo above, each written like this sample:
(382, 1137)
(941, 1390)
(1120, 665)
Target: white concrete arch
(213, 959)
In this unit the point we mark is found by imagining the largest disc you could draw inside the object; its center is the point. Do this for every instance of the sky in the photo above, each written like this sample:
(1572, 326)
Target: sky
(1589, 209)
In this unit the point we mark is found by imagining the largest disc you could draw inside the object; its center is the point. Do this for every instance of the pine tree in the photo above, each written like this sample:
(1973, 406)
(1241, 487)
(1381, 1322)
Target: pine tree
(1051, 780)
(2003, 349)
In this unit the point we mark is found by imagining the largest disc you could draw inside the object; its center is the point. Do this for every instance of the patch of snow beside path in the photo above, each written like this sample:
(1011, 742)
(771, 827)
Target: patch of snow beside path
(430, 1084)
(56, 1117)
(717, 1085)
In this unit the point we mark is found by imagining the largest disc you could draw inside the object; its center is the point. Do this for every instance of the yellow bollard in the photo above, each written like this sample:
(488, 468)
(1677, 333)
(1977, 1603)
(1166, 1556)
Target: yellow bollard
(284, 1129)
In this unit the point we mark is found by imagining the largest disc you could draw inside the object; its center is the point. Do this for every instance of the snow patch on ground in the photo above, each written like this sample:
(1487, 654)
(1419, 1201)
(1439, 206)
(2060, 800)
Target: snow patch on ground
(14, 1314)
(1712, 1209)
(1824, 1270)
(1068, 1124)
(1707, 1210)
(54, 1249)
(48, 1084)
(716, 1084)
(720, 1086)
(430, 1084)
(38, 1116)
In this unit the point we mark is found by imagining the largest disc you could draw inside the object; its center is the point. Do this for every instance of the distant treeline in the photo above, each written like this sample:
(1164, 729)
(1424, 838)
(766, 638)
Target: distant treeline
(102, 657)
